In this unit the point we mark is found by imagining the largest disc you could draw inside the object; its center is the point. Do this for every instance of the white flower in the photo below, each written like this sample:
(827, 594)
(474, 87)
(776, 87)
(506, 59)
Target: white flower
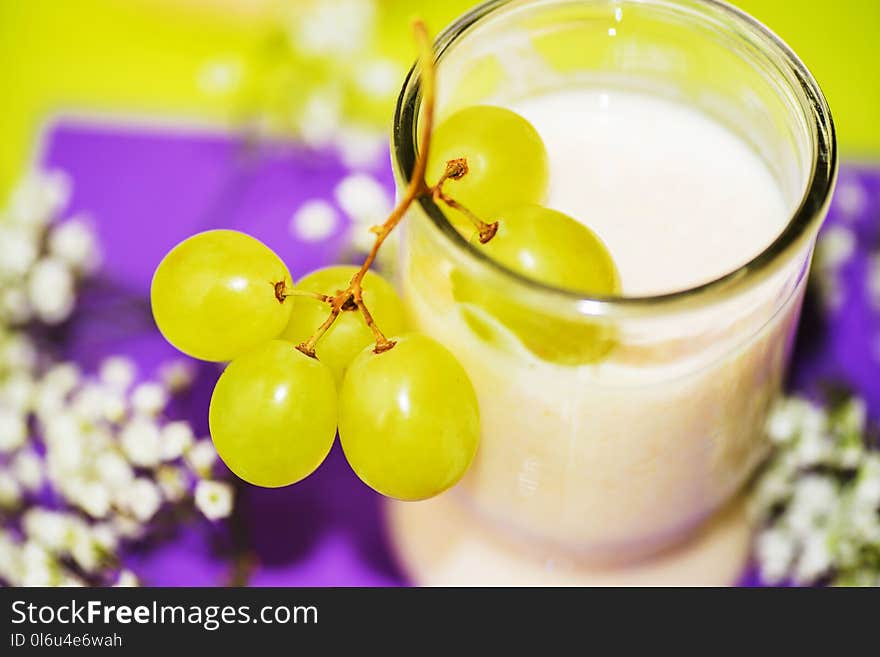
(315, 220)
(814, 560)
(201, 457)
(782, 424)
(93, 497)
(73, 242)
(176, 439)
(38, 568)
(61, 378)
(775, 551)
(142, 499)
(815, 498)
(141, 442)
(873, 279)
(13, 429)
(214, 499)
(363, 199)
(360, 148)
(113, 471)
(149, 398)
(104, 536)
(28, 470)
(84, 549)
(852, 416)
(173, 482)
(17, 353)
(126, 578)
(51, 529)
(333, 26)
(835, 246)
(379, 78)
(39, 197)
(321, 118)
(51, 290)
(117, 372)
(10, 491)
(19, 252)
(126, 527)
(867, 486)
(219, 77)
(14, 305)
(17, 391)
(176, 375)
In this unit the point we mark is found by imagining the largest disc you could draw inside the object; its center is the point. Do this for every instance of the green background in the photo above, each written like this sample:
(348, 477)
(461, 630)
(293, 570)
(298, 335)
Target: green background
(144, 57)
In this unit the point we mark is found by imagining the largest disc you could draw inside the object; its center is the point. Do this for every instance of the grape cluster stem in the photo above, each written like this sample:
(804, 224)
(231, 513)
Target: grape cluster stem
(351, 298)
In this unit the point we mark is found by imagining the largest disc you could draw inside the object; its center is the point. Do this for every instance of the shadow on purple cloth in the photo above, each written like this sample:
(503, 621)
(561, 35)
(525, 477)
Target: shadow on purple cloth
(147, 190)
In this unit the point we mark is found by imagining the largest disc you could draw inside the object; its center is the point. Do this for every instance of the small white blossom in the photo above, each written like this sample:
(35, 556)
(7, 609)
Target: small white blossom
(51, 529)
(19, 252)
(379, 78)
(321, 118)
(17, 353)
(173, 482)
(10, 491)
(13, 429)
(117, 372)
(51, 290)
(74, 243)
(141, 442)
(333, 26)
(17, 391)
(360, 148)
(149, 398)
(62, 378)
(104, 536)
(176, 438)
(28, 470)
(113, 471)
(201, 457)
(835, 246)
(126, 579)
(14, 305)
(142, 499)
(363, 199)
(39, 197)
(220, 77)
(84, 549)
(775, 551)
(93, 497)
(315, 220)
(176, 375)
(814, 560)
(214, 499)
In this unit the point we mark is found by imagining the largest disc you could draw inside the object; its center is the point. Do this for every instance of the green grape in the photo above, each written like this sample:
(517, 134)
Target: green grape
(409, 423)
(273, 415)
(349, 334)
(552, 248)
(507, 161)
(214, 295)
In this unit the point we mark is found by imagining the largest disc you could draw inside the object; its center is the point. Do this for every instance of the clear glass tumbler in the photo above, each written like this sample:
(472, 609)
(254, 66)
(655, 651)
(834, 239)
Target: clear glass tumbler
(621, 457)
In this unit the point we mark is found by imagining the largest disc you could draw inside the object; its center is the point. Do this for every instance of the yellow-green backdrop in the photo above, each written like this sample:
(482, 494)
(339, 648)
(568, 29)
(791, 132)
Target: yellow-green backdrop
(144, 56)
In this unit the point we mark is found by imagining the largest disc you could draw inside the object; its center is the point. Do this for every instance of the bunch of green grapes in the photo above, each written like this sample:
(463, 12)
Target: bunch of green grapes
(407, 417)
(507, 182)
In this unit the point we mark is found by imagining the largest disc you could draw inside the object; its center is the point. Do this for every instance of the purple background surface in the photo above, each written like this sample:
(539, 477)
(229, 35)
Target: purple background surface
(146, 190)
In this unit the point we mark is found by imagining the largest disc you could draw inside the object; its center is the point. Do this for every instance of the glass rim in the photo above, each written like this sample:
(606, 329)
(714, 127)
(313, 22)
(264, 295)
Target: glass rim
(810, 209)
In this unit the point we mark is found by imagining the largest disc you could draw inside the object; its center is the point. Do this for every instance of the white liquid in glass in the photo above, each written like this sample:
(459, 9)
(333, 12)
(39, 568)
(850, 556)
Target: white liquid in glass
(677, 197)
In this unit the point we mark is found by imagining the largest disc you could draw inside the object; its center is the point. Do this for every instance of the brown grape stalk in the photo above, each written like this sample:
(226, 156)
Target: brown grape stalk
(351, 299)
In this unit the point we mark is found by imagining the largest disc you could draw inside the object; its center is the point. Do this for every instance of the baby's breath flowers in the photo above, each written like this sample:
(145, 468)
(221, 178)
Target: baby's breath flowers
(88, 464)
(819, 498)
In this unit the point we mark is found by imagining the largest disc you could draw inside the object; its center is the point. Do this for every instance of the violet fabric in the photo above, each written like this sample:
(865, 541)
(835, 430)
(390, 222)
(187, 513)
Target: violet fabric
(148, 189)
